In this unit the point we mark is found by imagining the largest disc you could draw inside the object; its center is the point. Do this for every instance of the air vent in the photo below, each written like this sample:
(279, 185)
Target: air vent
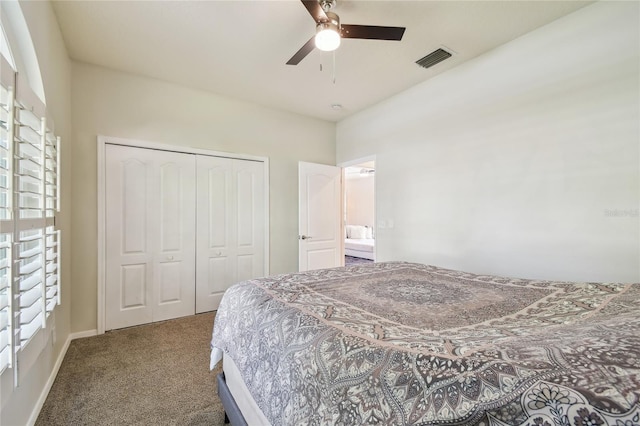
(433, 58)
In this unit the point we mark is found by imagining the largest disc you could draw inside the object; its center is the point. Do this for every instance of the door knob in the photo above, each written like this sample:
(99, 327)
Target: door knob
(303, 237)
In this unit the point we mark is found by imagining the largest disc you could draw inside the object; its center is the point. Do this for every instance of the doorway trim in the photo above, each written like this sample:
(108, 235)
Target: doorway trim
(357, 161)
(102, 204)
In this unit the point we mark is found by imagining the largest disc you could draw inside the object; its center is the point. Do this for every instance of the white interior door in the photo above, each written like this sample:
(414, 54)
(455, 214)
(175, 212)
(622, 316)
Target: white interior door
(320, 206)
(231, 226)
(150, 232)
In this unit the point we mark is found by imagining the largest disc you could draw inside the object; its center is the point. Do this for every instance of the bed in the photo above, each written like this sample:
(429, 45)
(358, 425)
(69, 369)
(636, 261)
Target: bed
(359, 242)
(360, 247)
(409, 344)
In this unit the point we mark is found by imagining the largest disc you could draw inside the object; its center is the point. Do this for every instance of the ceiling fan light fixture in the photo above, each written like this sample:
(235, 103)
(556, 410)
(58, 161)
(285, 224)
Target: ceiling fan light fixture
(328, 33)
(327, 39)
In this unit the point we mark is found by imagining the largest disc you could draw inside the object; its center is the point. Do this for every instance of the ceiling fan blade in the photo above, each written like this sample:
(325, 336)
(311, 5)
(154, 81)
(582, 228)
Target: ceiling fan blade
(372, 32)
(304, 51)
(315, 10)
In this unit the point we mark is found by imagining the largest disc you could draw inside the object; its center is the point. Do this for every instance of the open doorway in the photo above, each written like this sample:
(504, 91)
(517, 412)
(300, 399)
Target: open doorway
(359, 213)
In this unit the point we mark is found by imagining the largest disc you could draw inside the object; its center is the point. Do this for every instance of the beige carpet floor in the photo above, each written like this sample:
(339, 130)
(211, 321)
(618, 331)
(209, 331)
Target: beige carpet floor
(156, 374)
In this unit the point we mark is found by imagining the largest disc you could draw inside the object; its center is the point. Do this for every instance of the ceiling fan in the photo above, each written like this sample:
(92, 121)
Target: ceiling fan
(329, 31)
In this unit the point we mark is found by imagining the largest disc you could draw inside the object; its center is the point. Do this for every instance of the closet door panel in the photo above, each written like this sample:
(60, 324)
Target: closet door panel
(150, 235)
(171, 207)
(174, 218)
(128, 290)
(245, 188)
(170, 273)
(133, 286)
(231, 209)
(216, 191)
(250, 207)
(215, 240)
(134, 206)
(218, 278)
(246, 267)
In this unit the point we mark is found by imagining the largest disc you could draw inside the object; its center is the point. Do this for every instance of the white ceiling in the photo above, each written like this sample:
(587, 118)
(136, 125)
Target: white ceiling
(239, 48)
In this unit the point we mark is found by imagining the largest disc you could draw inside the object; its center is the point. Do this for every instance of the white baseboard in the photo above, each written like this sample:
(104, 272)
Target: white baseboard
(81, 334)
(47, 386)
(52, 377)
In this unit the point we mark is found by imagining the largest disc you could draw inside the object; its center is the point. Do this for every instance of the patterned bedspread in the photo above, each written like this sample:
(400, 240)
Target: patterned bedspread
(402, 343)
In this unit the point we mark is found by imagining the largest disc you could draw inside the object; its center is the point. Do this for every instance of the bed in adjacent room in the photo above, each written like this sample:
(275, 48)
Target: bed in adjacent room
(359, 242)
(403, 343)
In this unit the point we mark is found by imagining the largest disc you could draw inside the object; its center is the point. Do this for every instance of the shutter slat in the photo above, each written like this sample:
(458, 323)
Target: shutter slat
(30, 268)
(28, 298)
(27, 330)
(31, 311)
(4, 300)
(4, 319)
(30, 282)
(33, 237)
(52, 280)
(4, 336)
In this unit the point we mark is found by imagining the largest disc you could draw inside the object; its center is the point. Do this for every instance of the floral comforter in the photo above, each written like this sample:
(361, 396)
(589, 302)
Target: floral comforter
(409, 344)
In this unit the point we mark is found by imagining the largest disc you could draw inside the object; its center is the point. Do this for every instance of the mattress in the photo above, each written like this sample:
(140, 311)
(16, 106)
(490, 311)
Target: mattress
(241, 395)
(403, 343)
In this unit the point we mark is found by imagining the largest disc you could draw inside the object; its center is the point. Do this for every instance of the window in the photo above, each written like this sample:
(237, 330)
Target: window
(29, 200)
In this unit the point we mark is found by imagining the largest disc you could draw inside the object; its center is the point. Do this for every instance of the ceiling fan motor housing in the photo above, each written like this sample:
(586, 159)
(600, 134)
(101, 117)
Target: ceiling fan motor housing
(332, 24)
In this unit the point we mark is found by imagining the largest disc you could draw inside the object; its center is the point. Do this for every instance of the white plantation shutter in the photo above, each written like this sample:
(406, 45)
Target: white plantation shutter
(7, 84)
(29, 201)
(30, 279)
(36, 201)
(52, 205)
(52, 282)
(52, 163)
(5, 302)
(29, 147)
(29, 213)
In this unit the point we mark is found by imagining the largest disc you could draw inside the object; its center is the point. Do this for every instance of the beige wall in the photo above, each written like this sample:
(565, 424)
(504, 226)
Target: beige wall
(524, 161)
(360, 202)
(121, 105)
(19, 405)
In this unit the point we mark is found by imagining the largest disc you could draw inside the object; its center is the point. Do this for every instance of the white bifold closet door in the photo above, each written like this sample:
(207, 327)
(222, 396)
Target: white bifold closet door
(231, 226)
(150, 235)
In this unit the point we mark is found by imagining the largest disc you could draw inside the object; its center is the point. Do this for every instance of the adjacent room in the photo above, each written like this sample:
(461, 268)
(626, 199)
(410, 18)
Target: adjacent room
(285, 212)
(359, 213)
